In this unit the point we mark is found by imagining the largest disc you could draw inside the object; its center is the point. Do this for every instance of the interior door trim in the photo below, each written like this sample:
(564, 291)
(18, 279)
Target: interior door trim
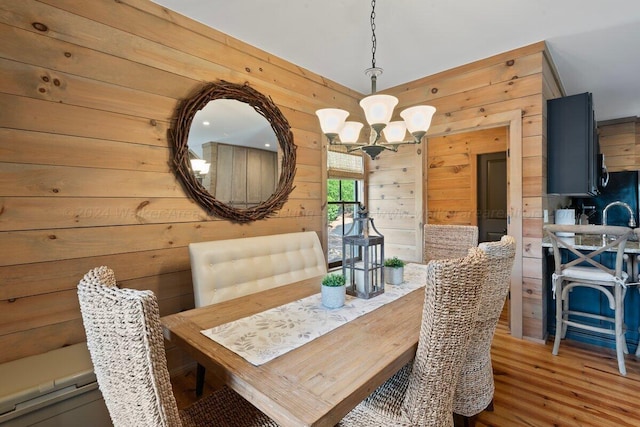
(513, 120)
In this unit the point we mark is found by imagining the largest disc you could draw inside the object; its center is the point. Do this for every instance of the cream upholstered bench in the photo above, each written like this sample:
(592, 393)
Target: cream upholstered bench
(227, 269)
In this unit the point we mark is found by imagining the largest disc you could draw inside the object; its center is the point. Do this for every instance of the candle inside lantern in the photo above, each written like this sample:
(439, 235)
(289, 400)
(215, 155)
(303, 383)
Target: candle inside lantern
(359, 277)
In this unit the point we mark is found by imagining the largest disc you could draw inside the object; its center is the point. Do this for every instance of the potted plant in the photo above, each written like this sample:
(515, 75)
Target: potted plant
(333, 290)
(394, 271)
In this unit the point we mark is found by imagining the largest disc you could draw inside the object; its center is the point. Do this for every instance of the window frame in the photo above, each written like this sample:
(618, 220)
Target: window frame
(346, 174)
(353, 206)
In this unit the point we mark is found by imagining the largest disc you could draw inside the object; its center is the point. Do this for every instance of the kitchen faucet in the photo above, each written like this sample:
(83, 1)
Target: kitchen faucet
(632, 220)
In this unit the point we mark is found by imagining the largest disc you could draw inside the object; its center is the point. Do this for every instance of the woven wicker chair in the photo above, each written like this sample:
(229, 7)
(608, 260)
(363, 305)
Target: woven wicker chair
(474, 392)
(125, 341)
(448, 241)
(421, 393)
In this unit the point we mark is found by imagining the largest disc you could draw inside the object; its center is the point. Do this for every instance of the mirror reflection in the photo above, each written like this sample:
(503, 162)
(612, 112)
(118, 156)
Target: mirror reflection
(233, 152)
(228, 169)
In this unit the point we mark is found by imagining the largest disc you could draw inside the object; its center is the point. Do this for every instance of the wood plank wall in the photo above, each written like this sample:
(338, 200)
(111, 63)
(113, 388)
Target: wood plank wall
(523, 80)
(84, 159)
(395, 203)
(620, 144)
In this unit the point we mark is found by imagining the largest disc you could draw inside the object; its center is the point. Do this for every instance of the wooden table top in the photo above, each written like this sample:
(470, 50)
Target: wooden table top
(319, 382)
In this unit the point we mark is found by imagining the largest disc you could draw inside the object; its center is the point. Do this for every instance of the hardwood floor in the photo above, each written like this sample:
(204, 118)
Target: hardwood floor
(579, 387)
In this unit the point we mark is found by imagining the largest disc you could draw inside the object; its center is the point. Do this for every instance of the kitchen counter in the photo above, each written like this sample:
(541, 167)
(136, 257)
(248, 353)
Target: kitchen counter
(591, 243)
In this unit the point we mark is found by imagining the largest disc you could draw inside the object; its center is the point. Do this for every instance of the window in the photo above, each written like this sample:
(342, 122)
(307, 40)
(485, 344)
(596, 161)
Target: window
(345, 196)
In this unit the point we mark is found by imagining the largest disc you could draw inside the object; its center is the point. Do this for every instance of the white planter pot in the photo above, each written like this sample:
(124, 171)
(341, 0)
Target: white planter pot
(394, 275)
(333, 296)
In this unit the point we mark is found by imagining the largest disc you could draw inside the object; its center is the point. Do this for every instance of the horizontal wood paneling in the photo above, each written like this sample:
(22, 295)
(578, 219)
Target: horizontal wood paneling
(395, 203)
(18, 78)
(59, 244)
(41, 148)
(25, 280)
(620, 144)
(85, 176)
(33, 213)
(56, 55)
(53, 117)
(64, 181)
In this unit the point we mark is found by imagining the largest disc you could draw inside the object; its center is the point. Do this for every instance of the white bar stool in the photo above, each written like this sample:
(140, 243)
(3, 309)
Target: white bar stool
(611, 282)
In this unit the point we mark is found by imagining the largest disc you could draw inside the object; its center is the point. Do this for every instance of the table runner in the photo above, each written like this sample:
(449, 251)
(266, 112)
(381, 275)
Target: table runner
(266, 335)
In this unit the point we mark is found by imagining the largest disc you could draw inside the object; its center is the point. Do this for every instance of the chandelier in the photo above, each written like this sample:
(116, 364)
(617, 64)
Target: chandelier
(378, 110)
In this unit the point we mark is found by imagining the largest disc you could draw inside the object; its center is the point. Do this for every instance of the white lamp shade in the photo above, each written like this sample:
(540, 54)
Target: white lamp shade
(350, 132)
(395, 131)
(418, 118)
(378, 108)
(331, 119)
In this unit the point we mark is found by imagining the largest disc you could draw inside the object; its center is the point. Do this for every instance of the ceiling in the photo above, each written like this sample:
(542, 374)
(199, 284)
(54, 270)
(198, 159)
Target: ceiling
(594, 44)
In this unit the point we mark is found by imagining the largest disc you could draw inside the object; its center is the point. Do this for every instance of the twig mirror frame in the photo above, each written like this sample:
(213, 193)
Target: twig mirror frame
(179, 136)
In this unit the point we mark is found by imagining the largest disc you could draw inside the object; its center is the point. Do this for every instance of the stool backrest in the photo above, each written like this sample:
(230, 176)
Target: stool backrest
(602, 238)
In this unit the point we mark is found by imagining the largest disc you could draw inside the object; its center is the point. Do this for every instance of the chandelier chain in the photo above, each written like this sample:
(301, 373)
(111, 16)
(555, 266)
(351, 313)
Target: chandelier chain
(373, 33)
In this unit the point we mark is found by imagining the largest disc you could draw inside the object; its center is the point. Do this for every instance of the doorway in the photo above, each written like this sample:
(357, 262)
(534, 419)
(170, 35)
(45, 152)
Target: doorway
(511, 121)
(492, 196)
(452, 171)
(467, 184)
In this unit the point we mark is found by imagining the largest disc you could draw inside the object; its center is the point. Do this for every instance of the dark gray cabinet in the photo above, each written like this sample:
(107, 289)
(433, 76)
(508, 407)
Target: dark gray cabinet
(572, 146)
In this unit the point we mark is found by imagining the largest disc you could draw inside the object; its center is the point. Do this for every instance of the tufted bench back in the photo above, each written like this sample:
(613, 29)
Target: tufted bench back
(227, 269)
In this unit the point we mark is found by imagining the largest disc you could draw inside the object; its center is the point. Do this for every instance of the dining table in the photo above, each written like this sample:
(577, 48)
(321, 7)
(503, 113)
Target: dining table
(319, 382)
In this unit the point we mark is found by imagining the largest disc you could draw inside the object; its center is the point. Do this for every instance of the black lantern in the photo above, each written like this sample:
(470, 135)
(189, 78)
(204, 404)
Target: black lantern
(363, 258)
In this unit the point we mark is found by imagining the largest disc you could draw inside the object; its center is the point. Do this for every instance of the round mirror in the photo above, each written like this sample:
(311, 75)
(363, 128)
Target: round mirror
(233, 151)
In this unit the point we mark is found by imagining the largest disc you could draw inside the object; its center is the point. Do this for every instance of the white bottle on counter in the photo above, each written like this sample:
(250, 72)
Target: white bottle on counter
(566, 217)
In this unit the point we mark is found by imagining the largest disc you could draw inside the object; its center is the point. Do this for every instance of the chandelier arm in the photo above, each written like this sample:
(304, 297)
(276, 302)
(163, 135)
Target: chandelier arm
(348, 145)
(397, 144)
(412, 142)
(390, 147)
(355, 148)
(335, 140)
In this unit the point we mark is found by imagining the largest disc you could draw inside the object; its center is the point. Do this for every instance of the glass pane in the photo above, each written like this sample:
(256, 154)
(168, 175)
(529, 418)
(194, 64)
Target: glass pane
(350, 213)
(343, 205)
(334, 253)
(348, 190)
(333, 190)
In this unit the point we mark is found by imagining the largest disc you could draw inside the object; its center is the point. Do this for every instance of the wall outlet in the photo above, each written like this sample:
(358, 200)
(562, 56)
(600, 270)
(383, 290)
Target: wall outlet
(546, 216)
